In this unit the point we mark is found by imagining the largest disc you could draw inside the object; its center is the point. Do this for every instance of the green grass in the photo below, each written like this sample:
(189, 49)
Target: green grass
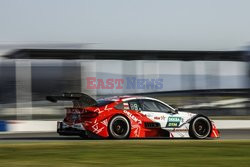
(127, 153)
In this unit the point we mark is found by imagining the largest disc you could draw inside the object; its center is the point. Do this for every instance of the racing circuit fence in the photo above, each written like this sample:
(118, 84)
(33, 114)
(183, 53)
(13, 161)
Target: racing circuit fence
(213, 83)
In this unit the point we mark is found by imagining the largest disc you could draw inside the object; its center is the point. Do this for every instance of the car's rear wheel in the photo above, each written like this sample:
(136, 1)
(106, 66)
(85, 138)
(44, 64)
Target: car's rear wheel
(119, 127)
(200, 127)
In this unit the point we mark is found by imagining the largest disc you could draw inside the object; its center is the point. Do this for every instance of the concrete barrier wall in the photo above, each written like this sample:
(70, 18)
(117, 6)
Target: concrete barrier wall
(50, 126)
(32, 126)
(232, 124)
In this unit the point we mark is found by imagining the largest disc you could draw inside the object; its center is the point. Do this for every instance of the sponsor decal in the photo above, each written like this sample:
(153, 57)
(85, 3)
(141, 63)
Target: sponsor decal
(163, 117)
(126, 106)
(174, 121)
(160, 118)
(132, 117)
(173, 124)
(157, 118)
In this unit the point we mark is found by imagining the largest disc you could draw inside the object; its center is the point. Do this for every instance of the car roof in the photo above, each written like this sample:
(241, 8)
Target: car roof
(126, 98)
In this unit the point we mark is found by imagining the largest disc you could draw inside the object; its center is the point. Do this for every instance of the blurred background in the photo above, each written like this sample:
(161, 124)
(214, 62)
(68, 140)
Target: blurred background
(213, 83)
(199, 50)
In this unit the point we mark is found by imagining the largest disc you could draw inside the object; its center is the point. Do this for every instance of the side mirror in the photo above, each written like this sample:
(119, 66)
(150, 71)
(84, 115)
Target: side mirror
(176, 110)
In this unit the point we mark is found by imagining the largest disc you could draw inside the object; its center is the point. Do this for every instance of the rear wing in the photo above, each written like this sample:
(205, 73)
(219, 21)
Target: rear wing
(78, 99)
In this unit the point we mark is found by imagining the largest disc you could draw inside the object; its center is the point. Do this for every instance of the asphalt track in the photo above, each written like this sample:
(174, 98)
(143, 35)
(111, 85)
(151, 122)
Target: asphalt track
(29, 137)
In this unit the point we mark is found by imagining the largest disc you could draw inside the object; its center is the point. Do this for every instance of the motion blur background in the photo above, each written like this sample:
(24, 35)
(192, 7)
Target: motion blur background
(199, 49)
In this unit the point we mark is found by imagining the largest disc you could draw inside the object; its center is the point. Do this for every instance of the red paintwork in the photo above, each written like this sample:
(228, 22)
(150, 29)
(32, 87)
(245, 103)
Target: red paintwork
(99, 124)
(215, 132)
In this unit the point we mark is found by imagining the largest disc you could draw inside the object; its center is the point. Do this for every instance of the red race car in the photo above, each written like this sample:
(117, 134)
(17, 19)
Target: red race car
(123, 117)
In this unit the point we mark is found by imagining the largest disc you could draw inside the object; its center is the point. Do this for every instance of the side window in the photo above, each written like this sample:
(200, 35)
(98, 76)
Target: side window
(149, 105)
(134, 105)
(162, 107)
(119, 106)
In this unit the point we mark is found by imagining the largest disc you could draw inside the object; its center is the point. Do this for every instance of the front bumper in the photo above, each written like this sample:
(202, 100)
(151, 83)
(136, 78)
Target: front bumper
(215, 132)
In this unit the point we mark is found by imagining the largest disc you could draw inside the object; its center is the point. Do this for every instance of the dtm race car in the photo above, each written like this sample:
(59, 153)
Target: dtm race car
(123, 117)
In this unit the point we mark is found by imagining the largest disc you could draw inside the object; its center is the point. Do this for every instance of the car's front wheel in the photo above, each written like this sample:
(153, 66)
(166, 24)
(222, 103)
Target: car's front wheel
(200, 127)
(119, 127)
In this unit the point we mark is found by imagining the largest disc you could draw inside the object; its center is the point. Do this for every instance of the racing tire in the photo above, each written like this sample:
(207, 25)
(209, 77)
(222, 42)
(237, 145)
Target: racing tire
(200, 127)
(119, 127)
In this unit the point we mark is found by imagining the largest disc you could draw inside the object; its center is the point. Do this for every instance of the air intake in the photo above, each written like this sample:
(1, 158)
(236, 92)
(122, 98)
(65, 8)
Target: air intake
(152, 125)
